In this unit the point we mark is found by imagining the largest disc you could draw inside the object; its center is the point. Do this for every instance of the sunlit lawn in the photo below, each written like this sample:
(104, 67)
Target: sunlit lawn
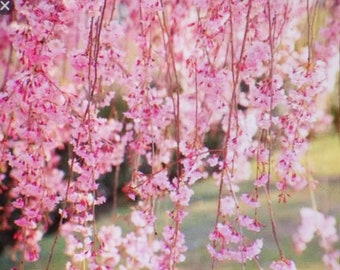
(324, 162)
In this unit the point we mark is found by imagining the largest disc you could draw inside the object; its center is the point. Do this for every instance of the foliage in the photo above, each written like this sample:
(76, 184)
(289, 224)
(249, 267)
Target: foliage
(184, 71)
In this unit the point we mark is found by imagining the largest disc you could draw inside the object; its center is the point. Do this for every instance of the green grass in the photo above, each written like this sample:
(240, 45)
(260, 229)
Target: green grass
(57, 263)
(202, 216)
(323, 160)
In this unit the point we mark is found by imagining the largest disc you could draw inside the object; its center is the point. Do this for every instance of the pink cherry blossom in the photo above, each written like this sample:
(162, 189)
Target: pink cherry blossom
(185, 92)
(283, 264)
(228, 206)
(249, 200)
(262, 180)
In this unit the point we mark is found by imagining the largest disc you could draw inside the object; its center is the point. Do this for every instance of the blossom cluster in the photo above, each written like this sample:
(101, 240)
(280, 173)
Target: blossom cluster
(315, 223)
(185, 71)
